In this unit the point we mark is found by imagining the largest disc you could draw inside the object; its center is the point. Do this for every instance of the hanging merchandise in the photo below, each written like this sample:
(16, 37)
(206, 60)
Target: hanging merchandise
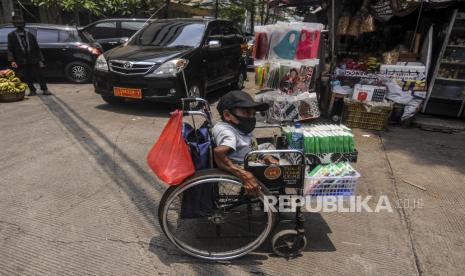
(354, 27)
(289, 69)
(285, 108)
(304, 79)
(284, 41)
(343, 24)
(382, 10)
(404, 7)
(308, 44)
(368, 24)
(260, 50)
(286, 47)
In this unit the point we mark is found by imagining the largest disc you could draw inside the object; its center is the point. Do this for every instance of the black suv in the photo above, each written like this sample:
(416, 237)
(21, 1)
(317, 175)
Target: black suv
(115, 31)
(68, 52)
(151, 65)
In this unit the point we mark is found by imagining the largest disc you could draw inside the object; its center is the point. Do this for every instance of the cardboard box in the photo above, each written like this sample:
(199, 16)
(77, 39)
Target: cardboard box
(365, 93)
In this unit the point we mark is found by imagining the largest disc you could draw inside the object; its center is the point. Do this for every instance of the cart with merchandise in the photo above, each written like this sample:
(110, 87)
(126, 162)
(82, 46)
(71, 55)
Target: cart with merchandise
(210, 216)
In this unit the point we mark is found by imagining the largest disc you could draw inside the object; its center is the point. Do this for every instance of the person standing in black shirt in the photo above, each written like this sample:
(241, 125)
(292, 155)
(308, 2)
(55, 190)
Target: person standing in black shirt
(25, 55)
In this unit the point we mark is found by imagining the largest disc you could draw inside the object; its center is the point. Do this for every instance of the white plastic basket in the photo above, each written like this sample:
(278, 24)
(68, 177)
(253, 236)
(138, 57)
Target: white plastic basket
(320, 186)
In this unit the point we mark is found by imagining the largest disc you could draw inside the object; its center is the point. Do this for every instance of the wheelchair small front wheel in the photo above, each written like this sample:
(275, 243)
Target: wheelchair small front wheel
(210, 217)
(288, 243)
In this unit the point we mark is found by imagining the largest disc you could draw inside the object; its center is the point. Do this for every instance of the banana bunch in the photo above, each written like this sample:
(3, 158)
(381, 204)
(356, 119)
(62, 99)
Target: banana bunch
(10, 84)
(372, 63)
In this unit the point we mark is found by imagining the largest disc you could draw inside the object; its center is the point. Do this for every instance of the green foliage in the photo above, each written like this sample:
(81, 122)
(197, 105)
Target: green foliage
(105, 7)
(234, 10)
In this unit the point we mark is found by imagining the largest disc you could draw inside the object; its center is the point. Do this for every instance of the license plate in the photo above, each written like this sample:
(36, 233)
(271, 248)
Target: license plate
(127, 92)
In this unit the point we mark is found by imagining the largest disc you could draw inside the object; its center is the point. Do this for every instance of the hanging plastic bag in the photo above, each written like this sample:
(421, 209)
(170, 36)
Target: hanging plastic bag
(169, 157)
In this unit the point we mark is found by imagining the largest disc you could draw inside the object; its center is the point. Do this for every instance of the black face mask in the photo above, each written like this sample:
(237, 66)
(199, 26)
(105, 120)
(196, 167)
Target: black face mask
(246, 124)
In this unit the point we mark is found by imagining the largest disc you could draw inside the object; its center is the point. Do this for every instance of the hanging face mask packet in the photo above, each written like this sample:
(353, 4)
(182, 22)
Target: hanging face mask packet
(315, 45)
(304, 48)
(286, 48)
(260, 49)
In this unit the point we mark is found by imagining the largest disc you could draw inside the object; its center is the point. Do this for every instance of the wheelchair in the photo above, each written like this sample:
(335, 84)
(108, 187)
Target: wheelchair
(211, 217)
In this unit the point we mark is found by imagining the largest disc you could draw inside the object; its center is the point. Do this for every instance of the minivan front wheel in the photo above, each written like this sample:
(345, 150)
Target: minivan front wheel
(196, 90)
(240, 80)
(78, 72)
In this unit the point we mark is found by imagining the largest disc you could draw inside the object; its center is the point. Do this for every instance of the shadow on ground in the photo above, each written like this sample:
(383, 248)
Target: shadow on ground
(146, 204)
(316, 232)
(426, 147)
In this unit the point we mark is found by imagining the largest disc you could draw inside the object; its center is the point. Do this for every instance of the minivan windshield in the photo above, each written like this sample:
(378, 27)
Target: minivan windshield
(170, 34)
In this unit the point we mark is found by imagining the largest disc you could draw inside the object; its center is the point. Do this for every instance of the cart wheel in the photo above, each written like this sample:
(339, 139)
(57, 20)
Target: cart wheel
(288, 243)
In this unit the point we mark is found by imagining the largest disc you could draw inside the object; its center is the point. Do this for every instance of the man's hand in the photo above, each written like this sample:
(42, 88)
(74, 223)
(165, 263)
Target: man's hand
(14, 65)
(270, 159)
(250, 184)
(41, 64)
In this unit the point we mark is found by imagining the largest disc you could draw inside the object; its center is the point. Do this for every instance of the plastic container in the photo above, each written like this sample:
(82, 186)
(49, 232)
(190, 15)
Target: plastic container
(320, 186)
(297, 138)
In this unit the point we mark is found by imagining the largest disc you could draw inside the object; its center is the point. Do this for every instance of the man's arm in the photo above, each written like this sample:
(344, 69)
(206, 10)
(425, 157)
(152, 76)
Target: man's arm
(11, 56)
(224, 163)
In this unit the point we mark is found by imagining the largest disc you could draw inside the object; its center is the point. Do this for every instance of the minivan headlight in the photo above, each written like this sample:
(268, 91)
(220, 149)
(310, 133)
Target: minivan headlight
(171, 67)
(101, 63)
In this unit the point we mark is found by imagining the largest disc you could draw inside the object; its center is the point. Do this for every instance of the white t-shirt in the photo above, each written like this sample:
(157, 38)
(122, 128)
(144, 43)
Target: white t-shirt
(225, 134)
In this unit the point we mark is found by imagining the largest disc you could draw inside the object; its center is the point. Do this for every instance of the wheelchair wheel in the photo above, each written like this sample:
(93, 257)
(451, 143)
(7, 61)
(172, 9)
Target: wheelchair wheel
(288, 243)
(210, 217)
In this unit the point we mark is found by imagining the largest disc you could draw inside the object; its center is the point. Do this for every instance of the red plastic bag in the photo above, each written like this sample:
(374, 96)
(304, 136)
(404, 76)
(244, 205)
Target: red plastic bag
(169, 157)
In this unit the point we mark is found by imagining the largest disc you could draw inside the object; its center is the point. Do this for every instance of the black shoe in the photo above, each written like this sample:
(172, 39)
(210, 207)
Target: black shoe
(46, 92)
(32, 93)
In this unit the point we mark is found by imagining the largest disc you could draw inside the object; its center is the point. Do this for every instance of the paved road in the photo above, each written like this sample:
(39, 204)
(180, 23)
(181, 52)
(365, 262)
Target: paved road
(77, 198)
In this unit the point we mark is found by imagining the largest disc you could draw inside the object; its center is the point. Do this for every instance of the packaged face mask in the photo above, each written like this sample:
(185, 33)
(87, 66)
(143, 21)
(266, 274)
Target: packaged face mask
(260, 49)
(286, 48)
(308, 44)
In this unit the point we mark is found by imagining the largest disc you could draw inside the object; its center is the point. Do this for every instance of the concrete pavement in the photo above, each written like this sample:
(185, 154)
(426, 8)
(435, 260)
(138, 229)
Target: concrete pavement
(77, 198)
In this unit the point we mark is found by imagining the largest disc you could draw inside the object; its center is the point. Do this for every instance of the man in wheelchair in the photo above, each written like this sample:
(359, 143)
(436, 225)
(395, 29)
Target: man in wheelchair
(233, 136)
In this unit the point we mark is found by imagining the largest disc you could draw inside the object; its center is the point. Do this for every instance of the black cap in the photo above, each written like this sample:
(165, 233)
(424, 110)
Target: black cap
(237, 98)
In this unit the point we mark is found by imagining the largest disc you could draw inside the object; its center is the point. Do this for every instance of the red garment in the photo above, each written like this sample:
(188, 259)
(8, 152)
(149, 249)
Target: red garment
(308, 44)
(260, 48)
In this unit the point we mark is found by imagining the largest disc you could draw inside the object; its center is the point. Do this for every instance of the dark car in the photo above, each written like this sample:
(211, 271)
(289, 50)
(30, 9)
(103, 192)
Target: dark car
(151, 65)
(115, 31)
(67, 51)
(250, 44)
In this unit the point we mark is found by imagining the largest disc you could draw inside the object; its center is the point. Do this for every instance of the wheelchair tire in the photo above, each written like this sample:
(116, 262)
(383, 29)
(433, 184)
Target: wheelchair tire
(288, 243)
(227, 231)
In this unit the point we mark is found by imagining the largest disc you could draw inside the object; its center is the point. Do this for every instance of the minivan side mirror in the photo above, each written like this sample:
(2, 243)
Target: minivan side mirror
(214, 44)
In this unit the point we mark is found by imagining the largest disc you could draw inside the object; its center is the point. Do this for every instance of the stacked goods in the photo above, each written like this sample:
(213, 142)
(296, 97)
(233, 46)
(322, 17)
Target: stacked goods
(325, 138)
(10, 84)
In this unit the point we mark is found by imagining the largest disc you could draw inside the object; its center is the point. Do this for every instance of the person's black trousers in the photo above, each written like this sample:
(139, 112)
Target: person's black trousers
(29, 72)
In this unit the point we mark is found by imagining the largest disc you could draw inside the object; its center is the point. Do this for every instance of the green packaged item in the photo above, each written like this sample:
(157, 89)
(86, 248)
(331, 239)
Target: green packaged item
(316, 144)
(351, 143)
(331, 143)
(340, 142)
(311, 143)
